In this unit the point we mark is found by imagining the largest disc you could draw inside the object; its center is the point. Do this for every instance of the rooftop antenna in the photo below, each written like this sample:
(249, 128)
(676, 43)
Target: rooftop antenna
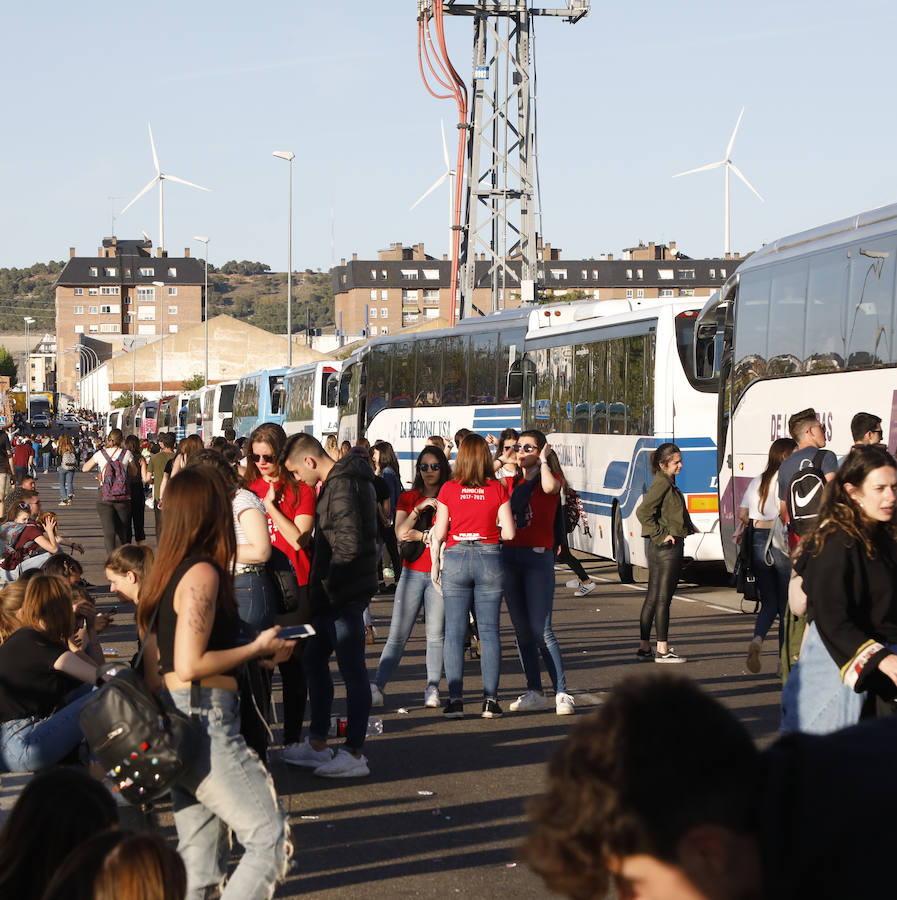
(112, 211)
(729, 165)
(161, 177)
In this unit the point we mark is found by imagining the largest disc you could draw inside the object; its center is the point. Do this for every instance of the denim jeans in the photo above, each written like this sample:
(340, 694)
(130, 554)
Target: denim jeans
(343, 632)
(28, 745)
(472, 574)
(773, 584)
(227, 786)
(66, 484)
(33, 562)
(255, 599)
(529, 595)
(664, 565)
(414, 589)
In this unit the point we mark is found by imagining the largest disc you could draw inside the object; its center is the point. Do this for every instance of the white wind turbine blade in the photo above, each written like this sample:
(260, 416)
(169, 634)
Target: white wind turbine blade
(737, 171)
(153, 148)
(430, 190)
(734, 132)
(448, 163)
(715, 165)
(182, 181)
(153, 180)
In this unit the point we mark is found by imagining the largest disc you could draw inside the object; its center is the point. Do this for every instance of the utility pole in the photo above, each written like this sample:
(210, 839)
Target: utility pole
(500, 210)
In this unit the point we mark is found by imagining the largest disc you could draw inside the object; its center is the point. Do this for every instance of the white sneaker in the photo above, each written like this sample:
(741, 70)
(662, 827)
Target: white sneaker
(574, 582)
(431, 697)
(376, 695)
(584, 589)
(305, 755)
(344, 765)
(529, 700)
(564, 704)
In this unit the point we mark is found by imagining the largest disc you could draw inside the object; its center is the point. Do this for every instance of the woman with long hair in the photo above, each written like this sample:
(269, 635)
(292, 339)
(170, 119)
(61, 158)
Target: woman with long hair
(188, 597)
(473, 512)
(114, 512)
(528, 565)
(290, 509)
(386, 466)
(666, 524)
(760, 506)
(38, 675)
(126, 568)
(185, 449)
(68, 462)
(506, 454)
(136, 485)
(848, 562)
(582, 584)
(415, 513)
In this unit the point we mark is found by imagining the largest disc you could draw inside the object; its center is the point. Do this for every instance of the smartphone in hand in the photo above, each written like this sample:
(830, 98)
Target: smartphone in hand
(292, 632)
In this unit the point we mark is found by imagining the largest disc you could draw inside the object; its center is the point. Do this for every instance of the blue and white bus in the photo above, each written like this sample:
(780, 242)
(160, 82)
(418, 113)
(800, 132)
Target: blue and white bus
(606, 381)
(310, 400)
(259, 398)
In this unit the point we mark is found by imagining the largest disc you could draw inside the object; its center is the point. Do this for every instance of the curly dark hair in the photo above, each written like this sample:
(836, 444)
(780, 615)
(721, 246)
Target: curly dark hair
(613, 791)
(839, 512)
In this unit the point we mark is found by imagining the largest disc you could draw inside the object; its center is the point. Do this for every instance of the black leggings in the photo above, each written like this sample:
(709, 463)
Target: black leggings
(138, 511)
(114, 517)
(563, 555)
(664, 565)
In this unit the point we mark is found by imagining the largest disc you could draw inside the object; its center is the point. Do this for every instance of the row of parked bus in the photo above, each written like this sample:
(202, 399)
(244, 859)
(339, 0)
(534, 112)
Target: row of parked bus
(302, 398)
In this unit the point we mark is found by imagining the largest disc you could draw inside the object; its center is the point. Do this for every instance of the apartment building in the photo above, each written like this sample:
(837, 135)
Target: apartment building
(123, 294)
(404, 286)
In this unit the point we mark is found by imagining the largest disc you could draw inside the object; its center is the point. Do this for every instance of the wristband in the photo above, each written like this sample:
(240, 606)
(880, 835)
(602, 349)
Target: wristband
(545, 462)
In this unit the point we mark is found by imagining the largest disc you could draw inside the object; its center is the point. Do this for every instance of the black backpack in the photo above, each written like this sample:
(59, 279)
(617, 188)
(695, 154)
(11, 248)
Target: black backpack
(803, 496)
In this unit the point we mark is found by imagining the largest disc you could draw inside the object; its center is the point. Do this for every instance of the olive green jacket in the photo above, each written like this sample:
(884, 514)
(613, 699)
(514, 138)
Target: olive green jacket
(663, 511)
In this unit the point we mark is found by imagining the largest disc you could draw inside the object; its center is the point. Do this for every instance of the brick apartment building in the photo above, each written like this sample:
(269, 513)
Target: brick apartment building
(123, 291)
(404, 286)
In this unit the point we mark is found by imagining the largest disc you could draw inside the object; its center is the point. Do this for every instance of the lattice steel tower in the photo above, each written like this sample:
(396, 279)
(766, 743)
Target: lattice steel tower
(499, 211)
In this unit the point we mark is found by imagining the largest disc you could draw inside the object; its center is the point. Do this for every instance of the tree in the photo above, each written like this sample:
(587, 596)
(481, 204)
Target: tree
(124, 400)
(8, 365)
(194, 382)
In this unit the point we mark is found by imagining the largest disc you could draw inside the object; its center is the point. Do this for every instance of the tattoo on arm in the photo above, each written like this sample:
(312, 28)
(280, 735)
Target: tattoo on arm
(202, 609)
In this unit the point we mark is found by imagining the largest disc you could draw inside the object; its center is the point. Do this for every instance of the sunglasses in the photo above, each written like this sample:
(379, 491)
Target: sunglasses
(514, 447)
(429, 467)
(263, 457)
(527, 448)
(24, 506)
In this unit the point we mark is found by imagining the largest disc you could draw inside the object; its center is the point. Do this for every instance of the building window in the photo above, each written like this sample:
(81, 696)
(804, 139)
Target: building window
(109, 290)
(409, 274)
(172, 310)
(374, 295)
(431, 274)
(384, 312)
(686, 274)
(93, 310)
(109, 308)
(146, 314)
(110, 272)
(432, 295)
(384, 296)
(113, 328)
(384, 330)
(686, 292)
(94, 329)
(383, 273)
(172, 272)
(93, 271)
(373, 274)
(94, 292)
(146, 329)
(629, 273)
(172, 329)
(559, 274)
(713, 273)
(79, 292)
(79, 329)
(78, 310)
(584, 274)
(665, 292)
(640, 294)
(594, 274)
(148, 273)
(128, 301)
(146, 294)
(172, 292)
(628, 293)
(409, 297)
(373, 331)
(640, 273)
(665, 274)
(372, 312)
(722, 273)
(409, 319)
(431, 313)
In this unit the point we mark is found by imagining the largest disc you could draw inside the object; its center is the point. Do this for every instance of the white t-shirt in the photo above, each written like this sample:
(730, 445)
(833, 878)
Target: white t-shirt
(114, 453)
(242, 501)
(751, 500)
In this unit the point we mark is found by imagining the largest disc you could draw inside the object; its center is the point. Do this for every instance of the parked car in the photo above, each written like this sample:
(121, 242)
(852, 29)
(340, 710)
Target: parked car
(40, 421)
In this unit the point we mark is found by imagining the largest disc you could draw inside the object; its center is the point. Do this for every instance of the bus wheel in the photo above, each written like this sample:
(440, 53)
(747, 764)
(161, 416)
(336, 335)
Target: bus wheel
(624, 569)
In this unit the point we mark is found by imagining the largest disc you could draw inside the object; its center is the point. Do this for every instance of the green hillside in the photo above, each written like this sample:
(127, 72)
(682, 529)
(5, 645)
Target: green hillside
(245, 290)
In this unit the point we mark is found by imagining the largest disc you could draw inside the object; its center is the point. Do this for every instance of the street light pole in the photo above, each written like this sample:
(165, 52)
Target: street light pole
(28, 321)
(289, 156)
(203, 239)
(161, 285)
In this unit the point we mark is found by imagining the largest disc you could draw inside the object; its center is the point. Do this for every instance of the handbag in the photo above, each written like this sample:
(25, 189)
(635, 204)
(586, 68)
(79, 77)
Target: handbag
(745, 578)
(412, 551)
(286, 586)
(143, 744)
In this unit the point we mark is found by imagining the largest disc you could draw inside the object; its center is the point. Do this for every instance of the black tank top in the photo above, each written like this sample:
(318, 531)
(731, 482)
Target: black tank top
(225, 628)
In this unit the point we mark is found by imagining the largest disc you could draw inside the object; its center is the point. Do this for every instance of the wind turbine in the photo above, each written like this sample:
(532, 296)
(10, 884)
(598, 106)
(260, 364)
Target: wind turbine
(449, 174)
(727, 162)
(161, 177)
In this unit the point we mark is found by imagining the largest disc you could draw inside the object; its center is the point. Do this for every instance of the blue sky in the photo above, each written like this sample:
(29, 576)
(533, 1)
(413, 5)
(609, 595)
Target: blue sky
(627, 97)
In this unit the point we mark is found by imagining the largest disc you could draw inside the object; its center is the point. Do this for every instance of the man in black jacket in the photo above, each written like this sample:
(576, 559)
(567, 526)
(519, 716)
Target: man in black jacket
(342, 581)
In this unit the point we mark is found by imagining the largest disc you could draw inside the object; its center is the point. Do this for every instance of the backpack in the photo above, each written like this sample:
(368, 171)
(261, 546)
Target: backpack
(803, 496)
(115, 479)
(14, 554)
(573, 512)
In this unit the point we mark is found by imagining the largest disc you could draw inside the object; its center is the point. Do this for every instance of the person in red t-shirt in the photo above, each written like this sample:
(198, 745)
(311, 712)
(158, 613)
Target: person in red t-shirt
(528, 563)
(290, 506)
(472, 513)
(414, 515)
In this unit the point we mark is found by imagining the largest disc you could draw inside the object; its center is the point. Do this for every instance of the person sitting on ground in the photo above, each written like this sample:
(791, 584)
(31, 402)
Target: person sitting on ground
(12, 596)
(25, 544)
(41, 831)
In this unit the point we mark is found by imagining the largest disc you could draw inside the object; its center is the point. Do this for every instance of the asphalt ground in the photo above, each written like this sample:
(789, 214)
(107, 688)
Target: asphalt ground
(443, 811)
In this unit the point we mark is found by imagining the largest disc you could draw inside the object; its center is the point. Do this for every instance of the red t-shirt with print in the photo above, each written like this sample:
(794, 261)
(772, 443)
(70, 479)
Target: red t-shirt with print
(302, 503)
(473, 511)
(540, 512)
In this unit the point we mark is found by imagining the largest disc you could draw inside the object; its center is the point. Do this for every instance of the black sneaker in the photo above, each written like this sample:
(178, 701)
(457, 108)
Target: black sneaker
(644, 655)
(454, 709)
(491, 710)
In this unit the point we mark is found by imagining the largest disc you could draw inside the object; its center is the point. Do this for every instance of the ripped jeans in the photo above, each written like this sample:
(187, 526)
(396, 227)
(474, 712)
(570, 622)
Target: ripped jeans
(227, 785)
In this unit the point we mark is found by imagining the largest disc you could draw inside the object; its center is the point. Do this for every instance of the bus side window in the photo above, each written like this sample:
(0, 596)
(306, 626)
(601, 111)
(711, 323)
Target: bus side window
(276, 400)
(330, 390)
